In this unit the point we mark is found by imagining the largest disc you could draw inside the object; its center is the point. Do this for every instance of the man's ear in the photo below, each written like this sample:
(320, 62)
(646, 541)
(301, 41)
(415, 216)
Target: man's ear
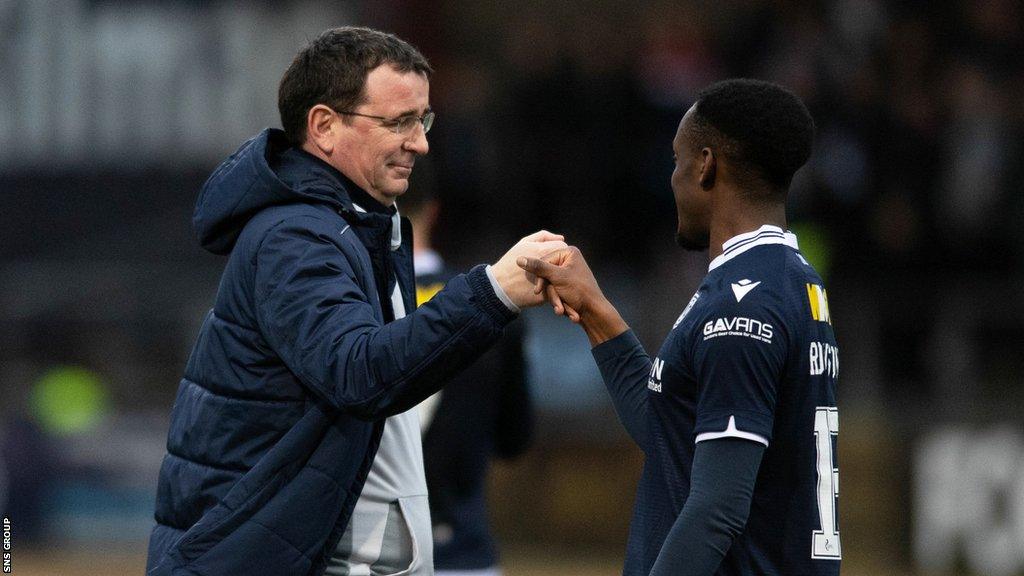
(320, 127)
(708, 168)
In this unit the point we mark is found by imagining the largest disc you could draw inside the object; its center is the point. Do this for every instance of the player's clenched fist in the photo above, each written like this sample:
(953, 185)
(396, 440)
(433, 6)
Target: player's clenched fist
(569, 276)
(518, 285)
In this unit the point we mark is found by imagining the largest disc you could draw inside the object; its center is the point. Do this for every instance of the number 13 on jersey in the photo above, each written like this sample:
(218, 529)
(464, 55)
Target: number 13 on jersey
(825, 542)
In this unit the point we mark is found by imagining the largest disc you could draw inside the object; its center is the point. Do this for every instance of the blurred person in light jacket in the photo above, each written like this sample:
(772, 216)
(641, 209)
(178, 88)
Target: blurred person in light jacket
(484, 412)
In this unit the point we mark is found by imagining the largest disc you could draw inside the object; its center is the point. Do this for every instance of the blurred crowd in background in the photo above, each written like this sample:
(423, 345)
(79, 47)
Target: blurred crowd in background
(555, 115)
(569, 109)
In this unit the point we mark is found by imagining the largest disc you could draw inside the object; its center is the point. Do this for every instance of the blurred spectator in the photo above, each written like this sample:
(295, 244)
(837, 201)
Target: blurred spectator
(483, 412)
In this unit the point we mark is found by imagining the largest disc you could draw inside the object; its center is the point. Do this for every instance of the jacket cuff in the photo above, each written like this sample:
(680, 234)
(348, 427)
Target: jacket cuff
(500, 291)
(484, 294)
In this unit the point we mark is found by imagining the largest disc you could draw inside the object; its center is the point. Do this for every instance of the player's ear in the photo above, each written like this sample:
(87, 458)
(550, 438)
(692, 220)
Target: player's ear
(708, 168)
(320, 127)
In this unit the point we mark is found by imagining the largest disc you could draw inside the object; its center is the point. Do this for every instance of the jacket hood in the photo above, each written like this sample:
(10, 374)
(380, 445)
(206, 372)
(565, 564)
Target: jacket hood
(264, 171)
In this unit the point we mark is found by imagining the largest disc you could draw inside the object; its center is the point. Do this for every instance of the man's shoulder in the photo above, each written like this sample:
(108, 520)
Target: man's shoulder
(298, 213)
(294, 219)
(293, 216)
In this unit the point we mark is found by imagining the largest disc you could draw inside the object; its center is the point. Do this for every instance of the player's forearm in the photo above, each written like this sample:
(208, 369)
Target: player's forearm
(722, 486)
(624, 367)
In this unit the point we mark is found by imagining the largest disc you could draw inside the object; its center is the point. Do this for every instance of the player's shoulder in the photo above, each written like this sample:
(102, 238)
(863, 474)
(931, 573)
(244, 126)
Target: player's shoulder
(769, 283)
(762, 277)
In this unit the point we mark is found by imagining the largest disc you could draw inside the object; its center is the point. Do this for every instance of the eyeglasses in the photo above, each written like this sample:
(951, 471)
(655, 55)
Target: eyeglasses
(402, 124)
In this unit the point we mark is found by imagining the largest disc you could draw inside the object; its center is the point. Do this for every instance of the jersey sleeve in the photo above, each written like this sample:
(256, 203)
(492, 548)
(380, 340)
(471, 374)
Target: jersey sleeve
(738, 356)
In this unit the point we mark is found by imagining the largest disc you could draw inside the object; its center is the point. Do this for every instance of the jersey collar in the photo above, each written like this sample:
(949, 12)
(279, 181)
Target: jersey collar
(766, 234)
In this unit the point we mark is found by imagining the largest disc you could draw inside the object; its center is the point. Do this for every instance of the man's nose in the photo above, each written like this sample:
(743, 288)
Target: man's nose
(417, 141)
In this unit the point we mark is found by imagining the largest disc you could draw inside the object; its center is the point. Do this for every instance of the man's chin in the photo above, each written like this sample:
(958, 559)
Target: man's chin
(687, 242)
(397, 187)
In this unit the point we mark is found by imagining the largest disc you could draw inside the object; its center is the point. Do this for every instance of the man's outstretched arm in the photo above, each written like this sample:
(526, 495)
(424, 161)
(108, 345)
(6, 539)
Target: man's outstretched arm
(721, 488)
(624, 365)
(319, 319)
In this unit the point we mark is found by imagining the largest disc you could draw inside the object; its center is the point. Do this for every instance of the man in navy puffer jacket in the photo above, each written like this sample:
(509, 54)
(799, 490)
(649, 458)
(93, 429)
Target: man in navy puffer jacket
(293, 446)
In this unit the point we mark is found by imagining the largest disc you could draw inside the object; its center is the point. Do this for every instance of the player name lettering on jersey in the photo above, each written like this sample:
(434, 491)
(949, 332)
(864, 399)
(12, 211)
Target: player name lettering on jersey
(739, 326)
(654, 380)
(824, 359)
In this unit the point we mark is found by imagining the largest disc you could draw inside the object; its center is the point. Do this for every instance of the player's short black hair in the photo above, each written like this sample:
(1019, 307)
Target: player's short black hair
(763, 128)
(332, 70)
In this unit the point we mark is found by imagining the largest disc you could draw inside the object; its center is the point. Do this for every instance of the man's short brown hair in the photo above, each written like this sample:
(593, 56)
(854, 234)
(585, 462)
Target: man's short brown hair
(332, 70)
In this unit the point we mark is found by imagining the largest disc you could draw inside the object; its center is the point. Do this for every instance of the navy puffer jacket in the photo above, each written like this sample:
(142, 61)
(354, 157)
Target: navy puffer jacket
(282, 405)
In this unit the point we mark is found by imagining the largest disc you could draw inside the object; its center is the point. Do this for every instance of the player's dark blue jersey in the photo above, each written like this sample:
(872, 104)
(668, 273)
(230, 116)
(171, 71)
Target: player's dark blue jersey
(752, 356)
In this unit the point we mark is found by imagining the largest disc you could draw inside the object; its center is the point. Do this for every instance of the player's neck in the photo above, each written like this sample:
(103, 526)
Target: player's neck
(726, 224)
